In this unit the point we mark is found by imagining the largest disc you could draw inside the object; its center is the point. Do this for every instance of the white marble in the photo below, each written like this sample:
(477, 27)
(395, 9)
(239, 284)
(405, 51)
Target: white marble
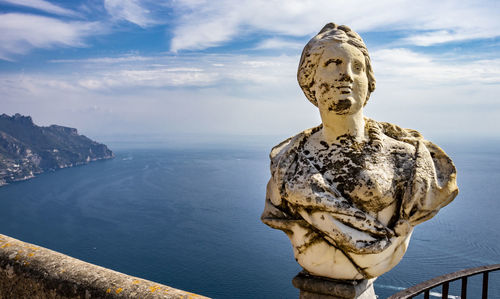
(349, 191)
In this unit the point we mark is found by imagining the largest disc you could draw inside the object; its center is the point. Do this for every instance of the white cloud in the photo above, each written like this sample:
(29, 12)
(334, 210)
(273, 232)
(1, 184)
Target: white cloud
(278, 43)
(210, 33)
(134, 71)
(162, 77)
(44, 6)
(106, 60)
(23, 32)
(206, 24)
(394, 64)
(445, 36)
(131, 11)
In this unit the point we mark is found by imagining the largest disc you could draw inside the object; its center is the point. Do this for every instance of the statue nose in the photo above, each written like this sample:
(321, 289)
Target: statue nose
(347, 76)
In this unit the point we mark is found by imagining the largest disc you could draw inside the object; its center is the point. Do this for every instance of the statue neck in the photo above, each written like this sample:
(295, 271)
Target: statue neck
(335, 126)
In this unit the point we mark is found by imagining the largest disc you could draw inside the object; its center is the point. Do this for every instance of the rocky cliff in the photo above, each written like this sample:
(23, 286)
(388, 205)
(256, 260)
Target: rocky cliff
(27, 149)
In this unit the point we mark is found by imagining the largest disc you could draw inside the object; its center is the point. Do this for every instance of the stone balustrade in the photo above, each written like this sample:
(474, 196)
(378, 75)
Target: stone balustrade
(30, 271)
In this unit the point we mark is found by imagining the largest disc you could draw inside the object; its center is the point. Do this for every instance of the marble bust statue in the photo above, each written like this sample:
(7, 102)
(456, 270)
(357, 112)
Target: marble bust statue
(349, 192)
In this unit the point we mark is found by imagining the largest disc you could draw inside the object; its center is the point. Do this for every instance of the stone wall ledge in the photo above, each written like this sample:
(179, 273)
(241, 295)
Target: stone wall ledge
(31, 271)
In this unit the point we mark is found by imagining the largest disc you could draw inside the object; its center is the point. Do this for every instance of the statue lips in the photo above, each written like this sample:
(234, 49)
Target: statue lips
(345, 89)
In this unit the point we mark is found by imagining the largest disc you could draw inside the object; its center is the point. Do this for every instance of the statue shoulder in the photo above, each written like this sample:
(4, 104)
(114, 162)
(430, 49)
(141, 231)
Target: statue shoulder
(398, 133)
(278, 150)
(409, 140)
(412, 137)
(432, 184)
(286, 147)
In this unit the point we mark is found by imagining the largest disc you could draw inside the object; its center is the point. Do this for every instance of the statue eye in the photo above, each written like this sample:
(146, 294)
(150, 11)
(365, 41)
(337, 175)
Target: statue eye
(336, 61)
(358, 67)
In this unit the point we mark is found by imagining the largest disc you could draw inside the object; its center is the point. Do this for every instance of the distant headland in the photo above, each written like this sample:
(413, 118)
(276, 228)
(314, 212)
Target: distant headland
(27, 149)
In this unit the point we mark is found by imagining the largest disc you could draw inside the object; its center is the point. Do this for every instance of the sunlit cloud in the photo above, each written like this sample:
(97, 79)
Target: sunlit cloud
(204, 24)
(134, 71)
(278, 44)
(44, 6)
(163, 77)
(106, 60)
(204, 35)
(400, 62)
(446, 36)
(131, 11)
(23, 32)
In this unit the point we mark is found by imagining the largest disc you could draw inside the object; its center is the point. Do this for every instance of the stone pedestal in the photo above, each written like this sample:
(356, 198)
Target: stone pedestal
(314, 287)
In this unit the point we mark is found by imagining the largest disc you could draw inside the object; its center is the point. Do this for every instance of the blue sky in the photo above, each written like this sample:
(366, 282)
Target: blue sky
(124, 68)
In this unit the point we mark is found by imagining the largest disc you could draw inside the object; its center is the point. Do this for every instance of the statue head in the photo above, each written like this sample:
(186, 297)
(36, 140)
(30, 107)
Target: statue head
(330, 37)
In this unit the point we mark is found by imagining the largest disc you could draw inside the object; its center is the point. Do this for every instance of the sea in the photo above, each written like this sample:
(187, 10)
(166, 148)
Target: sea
(189, 217)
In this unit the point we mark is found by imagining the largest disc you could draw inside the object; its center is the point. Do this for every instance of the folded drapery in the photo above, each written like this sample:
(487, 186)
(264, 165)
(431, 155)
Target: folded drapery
(300, 196)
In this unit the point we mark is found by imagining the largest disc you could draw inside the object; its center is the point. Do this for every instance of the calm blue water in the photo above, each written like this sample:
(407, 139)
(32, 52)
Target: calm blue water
(189, 218)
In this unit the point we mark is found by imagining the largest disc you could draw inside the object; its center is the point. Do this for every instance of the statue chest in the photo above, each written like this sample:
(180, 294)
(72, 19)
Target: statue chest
(372, 180)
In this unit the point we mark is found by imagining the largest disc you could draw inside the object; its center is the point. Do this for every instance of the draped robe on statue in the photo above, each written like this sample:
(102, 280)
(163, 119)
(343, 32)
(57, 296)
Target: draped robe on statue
(355, 225)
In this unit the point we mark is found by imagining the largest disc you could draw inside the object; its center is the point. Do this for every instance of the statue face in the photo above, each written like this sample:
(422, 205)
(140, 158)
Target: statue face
(340, 82)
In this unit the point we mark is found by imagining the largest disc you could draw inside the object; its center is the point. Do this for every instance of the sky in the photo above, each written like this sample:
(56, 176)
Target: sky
(122, 69)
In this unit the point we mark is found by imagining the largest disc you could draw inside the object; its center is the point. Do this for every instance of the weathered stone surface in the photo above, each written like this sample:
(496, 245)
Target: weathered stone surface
(30, 271)
(349, 191)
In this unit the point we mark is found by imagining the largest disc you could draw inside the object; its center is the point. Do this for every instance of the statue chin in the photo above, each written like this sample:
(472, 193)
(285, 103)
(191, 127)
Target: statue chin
(320, 258)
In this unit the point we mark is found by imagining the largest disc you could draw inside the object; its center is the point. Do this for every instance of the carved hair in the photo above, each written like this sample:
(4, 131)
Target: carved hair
(314, 49)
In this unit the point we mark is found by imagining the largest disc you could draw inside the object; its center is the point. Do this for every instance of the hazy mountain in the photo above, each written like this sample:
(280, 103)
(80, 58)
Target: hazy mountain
(27, 149)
